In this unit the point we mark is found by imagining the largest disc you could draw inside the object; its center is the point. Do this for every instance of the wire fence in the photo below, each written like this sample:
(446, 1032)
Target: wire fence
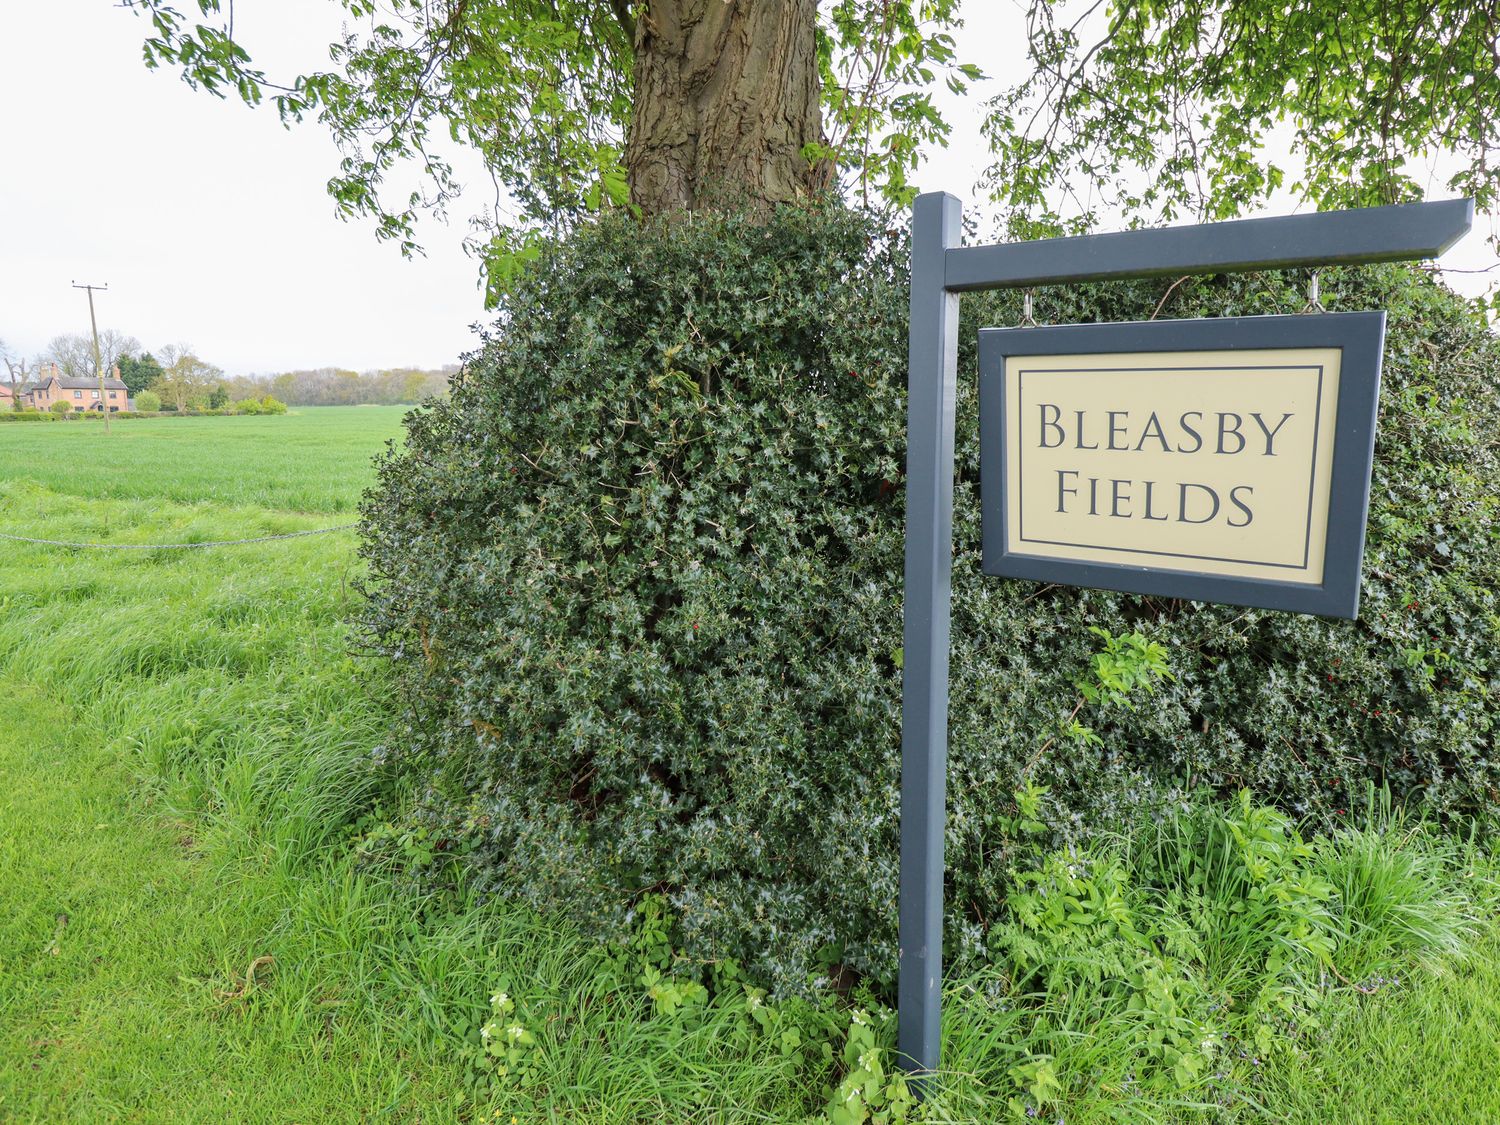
(174, 546)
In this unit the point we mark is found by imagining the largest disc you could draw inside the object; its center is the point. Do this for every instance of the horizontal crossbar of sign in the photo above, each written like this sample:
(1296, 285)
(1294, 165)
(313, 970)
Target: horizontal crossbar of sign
(1403, 232)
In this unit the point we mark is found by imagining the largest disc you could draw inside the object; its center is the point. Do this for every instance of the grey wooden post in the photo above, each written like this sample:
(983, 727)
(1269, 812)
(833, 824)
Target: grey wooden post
(932, 379)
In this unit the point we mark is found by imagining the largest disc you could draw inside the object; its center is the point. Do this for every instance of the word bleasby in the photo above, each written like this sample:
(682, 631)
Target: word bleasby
(1192, 433)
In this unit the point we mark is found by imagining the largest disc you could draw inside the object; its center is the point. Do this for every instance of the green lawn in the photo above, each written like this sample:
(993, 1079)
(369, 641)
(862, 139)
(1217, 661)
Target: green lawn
(1429, 1053)
(187, 935)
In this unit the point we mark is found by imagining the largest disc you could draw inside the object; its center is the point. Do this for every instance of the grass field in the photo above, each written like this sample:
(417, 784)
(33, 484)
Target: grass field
(187, 934)
(315, 460)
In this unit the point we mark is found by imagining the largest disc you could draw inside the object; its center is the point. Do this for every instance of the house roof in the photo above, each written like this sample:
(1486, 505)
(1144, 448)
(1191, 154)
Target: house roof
(85, 383)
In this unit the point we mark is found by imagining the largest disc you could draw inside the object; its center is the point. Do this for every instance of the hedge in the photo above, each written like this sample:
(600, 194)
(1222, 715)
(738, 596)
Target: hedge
(26, 416)
(640, 580)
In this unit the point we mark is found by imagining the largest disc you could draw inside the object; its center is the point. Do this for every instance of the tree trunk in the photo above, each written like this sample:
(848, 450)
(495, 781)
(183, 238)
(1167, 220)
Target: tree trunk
(726, 95)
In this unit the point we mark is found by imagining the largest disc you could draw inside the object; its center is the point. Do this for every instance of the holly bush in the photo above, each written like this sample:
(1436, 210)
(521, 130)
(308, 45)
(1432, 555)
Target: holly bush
(640, 581)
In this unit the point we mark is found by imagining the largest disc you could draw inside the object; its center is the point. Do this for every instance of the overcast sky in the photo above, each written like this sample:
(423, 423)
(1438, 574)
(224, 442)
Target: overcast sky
(210, 222)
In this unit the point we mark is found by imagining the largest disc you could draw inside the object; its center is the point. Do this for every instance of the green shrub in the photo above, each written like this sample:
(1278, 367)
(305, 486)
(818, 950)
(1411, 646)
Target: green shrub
(641, 581)
(248, 406)
(61, 406)
(272, 405)
(25, 416)
(148, 402)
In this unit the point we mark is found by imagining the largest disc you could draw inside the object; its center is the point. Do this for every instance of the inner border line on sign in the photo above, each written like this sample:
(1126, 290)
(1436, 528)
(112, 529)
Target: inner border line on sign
(1312, 480)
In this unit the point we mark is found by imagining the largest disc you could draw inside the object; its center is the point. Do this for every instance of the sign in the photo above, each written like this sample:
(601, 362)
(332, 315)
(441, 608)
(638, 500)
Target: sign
(1217, 460)
(1222, 460)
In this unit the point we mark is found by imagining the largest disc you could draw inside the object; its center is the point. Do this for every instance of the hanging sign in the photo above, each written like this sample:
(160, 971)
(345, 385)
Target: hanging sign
(1223, 460)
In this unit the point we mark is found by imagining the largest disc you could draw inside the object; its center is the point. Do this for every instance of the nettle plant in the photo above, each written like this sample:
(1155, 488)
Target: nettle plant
(508, 1044)
(640, 583)
(1208, 933)
(1123, 665)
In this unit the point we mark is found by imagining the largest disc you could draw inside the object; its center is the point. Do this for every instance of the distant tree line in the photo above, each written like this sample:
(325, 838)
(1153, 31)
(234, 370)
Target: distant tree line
(180, 379)
(186, 379)
(332, 386)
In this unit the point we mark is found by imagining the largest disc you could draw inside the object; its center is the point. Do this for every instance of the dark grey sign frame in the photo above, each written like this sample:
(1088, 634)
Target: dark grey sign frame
(1359, 336)
(941, 269)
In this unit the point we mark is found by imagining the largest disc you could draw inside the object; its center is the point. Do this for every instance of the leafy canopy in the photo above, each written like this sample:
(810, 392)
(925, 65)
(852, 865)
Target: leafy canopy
(1163, 110)
(1172, 109)
(138, 372)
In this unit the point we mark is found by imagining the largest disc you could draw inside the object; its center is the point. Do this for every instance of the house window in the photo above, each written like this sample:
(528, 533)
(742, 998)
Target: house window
(93, 394)
(111, 394)
(77, 394)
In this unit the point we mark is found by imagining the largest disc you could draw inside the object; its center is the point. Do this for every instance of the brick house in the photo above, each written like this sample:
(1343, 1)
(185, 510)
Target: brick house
(78, 393)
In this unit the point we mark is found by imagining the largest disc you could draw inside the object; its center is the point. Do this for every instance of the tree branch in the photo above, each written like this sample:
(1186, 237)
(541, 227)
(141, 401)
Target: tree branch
(625, 17)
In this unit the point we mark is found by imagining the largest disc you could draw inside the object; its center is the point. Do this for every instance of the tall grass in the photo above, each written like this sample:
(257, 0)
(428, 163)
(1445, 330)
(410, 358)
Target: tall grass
(1404, 892)
(225, 682)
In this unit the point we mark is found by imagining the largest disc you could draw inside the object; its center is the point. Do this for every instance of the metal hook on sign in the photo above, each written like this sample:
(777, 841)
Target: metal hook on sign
(1027, 320)
(1314, 305)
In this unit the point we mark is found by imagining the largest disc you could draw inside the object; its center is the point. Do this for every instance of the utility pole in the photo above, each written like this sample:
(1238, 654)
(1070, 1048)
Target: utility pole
(98, 362)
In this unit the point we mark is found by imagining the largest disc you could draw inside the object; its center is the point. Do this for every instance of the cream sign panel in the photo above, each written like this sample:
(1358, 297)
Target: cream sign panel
(1217, 460)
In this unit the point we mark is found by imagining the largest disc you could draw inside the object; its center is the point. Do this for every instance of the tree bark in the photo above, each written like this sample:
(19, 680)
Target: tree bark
(726, 96)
